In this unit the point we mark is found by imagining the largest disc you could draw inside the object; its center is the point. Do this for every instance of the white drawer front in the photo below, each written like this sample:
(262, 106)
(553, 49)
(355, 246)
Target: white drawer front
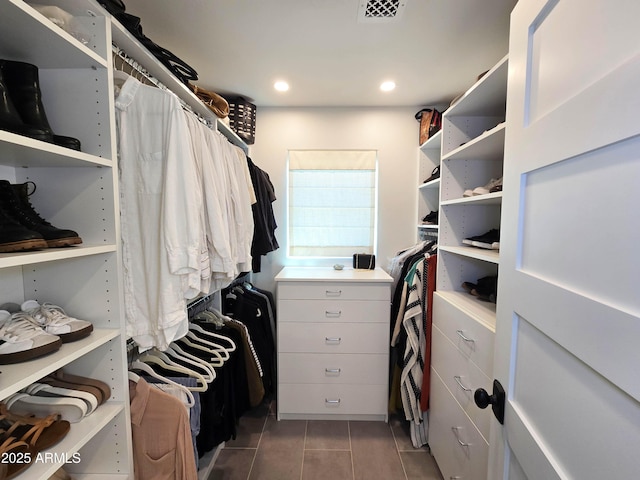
(448, 428)
(370, 311)
(462, 377)
(333, 290)
(333, 368)
(333, 337)
(458, 326)
(332, 399)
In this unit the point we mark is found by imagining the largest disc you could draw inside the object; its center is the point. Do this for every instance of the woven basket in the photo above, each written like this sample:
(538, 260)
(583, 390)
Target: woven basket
(242, 118)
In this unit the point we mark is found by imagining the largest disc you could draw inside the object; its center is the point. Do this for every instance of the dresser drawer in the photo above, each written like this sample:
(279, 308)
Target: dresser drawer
(371, 311)
(333, 290)
(456, 444)
(332, 399)
(333, 368)
(462, 377)
(333, 337)
(471, 337)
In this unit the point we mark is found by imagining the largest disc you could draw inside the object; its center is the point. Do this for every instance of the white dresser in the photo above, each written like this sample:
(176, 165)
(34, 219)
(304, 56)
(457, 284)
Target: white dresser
(333, 343)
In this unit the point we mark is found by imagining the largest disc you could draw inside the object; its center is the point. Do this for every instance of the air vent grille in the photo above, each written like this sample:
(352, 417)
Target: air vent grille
(380, 10)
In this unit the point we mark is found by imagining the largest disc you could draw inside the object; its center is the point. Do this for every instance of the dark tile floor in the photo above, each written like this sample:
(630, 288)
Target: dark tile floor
(266, 449)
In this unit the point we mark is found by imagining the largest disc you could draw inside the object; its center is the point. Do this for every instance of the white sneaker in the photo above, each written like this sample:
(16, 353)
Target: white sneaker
(53, 320)
(22, 339)
(486, 189)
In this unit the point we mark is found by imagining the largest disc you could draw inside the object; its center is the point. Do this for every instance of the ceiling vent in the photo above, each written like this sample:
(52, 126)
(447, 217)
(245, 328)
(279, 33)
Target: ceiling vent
(380, 11)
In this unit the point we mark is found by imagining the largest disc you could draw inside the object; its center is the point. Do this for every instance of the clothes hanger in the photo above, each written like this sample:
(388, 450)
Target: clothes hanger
(212, 346)
(209, 317)
(197, 346)
(220, 361)
(152, 359)
(175, 357)
(143, 367)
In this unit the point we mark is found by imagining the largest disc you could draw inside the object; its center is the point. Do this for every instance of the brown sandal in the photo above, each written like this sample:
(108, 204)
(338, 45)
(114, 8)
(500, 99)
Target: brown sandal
(78, 380)
(39, 433)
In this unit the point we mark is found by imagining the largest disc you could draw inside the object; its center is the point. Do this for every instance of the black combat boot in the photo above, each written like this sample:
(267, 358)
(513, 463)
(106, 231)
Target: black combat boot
(14, 199)
(23, 84)
(16, 238)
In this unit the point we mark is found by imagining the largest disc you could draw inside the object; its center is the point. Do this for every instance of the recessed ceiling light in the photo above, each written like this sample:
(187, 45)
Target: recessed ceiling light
(388, 86)
(281, 86)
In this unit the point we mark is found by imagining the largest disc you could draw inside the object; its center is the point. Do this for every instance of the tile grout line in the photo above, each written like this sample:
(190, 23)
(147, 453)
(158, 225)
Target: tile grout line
(353, 470)
(255, 454)
(304, 447)
(395, 441)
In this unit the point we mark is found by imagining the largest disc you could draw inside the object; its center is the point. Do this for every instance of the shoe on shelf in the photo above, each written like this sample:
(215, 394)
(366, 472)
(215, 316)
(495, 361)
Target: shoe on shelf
(55, 321)
(21, 339)
(485, 189)
(23, 86)
(489, 240)
(39, 432)
(14, 199)
(14, 237)
(46, 390)
(485, 288)
(70, 409)
(431, 218)
(434, 174)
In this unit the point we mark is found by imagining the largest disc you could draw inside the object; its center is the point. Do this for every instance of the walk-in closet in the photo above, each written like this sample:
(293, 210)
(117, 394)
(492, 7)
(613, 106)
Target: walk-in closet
(319, 239)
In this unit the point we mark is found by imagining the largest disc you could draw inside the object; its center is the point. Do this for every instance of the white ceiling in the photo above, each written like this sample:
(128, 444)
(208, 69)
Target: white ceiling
(433, 52)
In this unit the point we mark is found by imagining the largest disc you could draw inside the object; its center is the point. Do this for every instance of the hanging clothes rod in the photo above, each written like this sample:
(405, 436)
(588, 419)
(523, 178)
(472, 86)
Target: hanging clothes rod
(143, 71)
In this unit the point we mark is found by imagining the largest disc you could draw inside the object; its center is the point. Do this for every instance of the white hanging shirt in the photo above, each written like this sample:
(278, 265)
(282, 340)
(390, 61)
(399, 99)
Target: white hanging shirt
(161, 225)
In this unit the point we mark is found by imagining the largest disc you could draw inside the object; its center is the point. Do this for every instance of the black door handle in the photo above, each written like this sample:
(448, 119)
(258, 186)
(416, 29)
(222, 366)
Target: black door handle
(483, 400)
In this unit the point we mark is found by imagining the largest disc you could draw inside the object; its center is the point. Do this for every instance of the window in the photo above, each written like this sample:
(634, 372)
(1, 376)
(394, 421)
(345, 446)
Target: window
(332, 202)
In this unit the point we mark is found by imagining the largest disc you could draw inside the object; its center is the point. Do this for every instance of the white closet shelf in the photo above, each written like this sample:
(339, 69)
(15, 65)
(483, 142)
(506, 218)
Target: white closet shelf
(491, 256)
(78, 436)
(488, 199)
(429, 227)
(432, 184)
(488, 146)
(433, 143)
(53, 254)
(487, 96)
(134, 49)
(482, 312)
(21, 151)
(20, 375)
(40, 41)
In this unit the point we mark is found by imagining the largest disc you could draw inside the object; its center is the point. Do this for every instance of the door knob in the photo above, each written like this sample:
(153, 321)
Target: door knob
(496, 400)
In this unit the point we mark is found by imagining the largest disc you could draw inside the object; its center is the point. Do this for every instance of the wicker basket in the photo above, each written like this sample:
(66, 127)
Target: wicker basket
(242, 118)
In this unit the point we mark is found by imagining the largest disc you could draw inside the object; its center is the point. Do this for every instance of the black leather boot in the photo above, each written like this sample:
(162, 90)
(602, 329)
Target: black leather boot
(16, 238)
(11, 121)
(14, 199)
(23, 84)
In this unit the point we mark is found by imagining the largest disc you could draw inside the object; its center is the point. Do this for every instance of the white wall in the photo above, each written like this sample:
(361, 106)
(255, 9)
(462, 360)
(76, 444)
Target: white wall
(393, 132)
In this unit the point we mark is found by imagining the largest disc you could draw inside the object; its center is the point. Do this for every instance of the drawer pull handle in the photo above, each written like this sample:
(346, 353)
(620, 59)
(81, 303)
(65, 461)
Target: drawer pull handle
(333, 293)
(332, 341)
(327, 313)
(457, 435)
(457, 379)
(332, 371)
(330, 401)
(462, 336)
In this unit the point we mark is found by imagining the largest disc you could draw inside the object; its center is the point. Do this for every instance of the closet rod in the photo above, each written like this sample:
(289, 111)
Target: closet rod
(143, 71)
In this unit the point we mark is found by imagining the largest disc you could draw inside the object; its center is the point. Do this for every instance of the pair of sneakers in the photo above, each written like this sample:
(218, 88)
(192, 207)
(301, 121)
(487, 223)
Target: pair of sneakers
(36, 330)
(494, 185)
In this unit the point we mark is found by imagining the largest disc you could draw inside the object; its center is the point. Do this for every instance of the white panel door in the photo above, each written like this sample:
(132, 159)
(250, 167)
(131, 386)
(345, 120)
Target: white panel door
(568, 326)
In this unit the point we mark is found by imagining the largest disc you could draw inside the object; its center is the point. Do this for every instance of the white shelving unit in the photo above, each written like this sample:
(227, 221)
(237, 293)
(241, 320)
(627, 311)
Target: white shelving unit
(429, 192)
(77, 190)
(472, 153)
